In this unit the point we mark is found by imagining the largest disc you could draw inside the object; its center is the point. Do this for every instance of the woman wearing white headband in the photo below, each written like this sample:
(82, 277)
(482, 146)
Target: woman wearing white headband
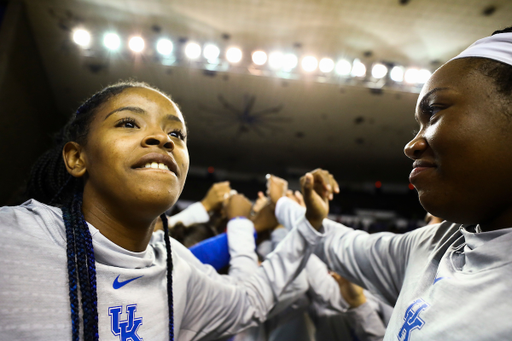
(449, 281)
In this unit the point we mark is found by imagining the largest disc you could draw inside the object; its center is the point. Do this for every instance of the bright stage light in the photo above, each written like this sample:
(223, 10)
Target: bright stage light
(164, 47)
(192, 50)
(234, 55)
(343, 67)
(82, 37)
(309, 63)
(379, 71)
(423, 76)
(290, 61)
(276, 60)
(259, 57)
(411, 76)
(136, 44)
(326, 65)
(358, 68)
(397, 74)
(111, 41)
(211, 52)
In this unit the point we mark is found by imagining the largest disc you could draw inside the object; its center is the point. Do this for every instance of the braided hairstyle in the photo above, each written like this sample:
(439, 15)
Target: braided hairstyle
(50, 183)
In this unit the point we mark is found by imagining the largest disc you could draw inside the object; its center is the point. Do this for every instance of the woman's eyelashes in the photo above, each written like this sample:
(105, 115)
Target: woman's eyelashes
(131, 123)
(178, 133)
(127, 122)
(432, 110)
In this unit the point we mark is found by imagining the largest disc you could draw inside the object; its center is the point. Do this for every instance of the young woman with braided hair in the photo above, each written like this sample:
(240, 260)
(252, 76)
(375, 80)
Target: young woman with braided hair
(80, 261)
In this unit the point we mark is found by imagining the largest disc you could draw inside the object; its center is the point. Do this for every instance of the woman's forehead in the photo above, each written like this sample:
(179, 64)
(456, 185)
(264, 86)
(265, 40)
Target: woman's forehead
(148, 99)
(458, 75)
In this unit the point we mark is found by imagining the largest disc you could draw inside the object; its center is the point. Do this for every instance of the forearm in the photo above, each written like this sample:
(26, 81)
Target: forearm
(243, 261)
(232, 308)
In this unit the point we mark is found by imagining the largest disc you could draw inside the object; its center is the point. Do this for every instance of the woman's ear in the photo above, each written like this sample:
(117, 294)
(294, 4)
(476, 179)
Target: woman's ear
(74, 159)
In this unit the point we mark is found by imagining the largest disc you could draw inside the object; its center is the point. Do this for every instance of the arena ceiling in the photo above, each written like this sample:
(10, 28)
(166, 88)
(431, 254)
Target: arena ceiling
(357, 130)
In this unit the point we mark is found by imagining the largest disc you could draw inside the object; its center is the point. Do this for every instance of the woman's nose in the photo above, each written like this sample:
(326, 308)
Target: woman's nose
(415, 147)
(160, 139)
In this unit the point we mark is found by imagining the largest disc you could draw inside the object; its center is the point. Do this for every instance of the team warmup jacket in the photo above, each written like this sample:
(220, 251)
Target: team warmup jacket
(449, 281)
(131, 286)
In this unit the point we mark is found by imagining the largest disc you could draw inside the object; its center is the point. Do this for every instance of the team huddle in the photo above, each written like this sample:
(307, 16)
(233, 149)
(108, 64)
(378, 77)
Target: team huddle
(93, 255)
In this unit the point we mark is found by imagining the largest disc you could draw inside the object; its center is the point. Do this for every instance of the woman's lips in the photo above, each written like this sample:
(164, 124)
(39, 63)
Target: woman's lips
(420, 167)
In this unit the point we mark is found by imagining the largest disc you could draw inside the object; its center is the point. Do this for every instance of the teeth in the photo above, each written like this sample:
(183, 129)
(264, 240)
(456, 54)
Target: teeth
(156, 165)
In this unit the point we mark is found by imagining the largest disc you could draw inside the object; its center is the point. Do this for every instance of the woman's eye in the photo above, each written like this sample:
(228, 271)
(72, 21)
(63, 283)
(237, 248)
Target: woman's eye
(177, 133)
(432, 110)
(127, 123)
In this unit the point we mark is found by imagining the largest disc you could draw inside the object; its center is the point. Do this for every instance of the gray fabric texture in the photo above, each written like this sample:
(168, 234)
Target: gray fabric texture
(34, 300)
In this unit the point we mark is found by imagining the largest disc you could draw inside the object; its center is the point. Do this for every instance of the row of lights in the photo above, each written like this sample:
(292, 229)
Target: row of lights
(274, 60)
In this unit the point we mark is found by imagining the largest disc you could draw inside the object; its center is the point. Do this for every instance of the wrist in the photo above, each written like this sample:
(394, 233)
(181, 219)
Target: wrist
(206, 205)
(314, 220)
(238, 217)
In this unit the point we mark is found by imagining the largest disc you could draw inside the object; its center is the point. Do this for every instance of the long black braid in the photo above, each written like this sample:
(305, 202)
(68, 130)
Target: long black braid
(50, 183)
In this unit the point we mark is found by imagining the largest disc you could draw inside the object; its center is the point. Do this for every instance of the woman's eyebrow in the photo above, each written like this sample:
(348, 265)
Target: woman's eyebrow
(173, 118)
(136, 110)
(424, 100)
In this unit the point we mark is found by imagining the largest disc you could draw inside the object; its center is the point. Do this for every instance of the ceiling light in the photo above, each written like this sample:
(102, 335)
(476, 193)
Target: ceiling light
(326, 65)
(309, 63)
(136, 44)
(397, 74)
(234, 55)
(192, 50)
(423, 76)
(358, 68)
(276, 60)
(111, 41)
(82, 37)
(211, 52)
(290, 61)
(259, 57)
(164, 47)
(379, 71)
(411, 76)
(343, 67)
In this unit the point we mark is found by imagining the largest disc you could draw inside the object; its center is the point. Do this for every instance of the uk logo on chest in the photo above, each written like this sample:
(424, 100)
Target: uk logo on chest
(412, 319)
(126, 329)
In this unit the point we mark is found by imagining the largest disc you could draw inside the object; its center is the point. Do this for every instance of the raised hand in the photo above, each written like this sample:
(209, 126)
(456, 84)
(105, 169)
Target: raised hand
(276, 188)
(351, 292)
(318, 187)
(259, 203)
(265, 219)
(296, 196)
(238, 206)
(216, 195)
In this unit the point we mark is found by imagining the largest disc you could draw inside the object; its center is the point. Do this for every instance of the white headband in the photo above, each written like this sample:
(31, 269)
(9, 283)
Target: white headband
(497, 47)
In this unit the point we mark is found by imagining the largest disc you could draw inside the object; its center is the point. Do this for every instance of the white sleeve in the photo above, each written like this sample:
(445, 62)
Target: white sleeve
(376, 262)
(193, 214)
(242, 247)
(217, 309)
(324, 289)
(366, 323)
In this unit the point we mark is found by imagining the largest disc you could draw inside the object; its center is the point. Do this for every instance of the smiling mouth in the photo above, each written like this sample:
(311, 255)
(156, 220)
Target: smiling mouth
(156, 165)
